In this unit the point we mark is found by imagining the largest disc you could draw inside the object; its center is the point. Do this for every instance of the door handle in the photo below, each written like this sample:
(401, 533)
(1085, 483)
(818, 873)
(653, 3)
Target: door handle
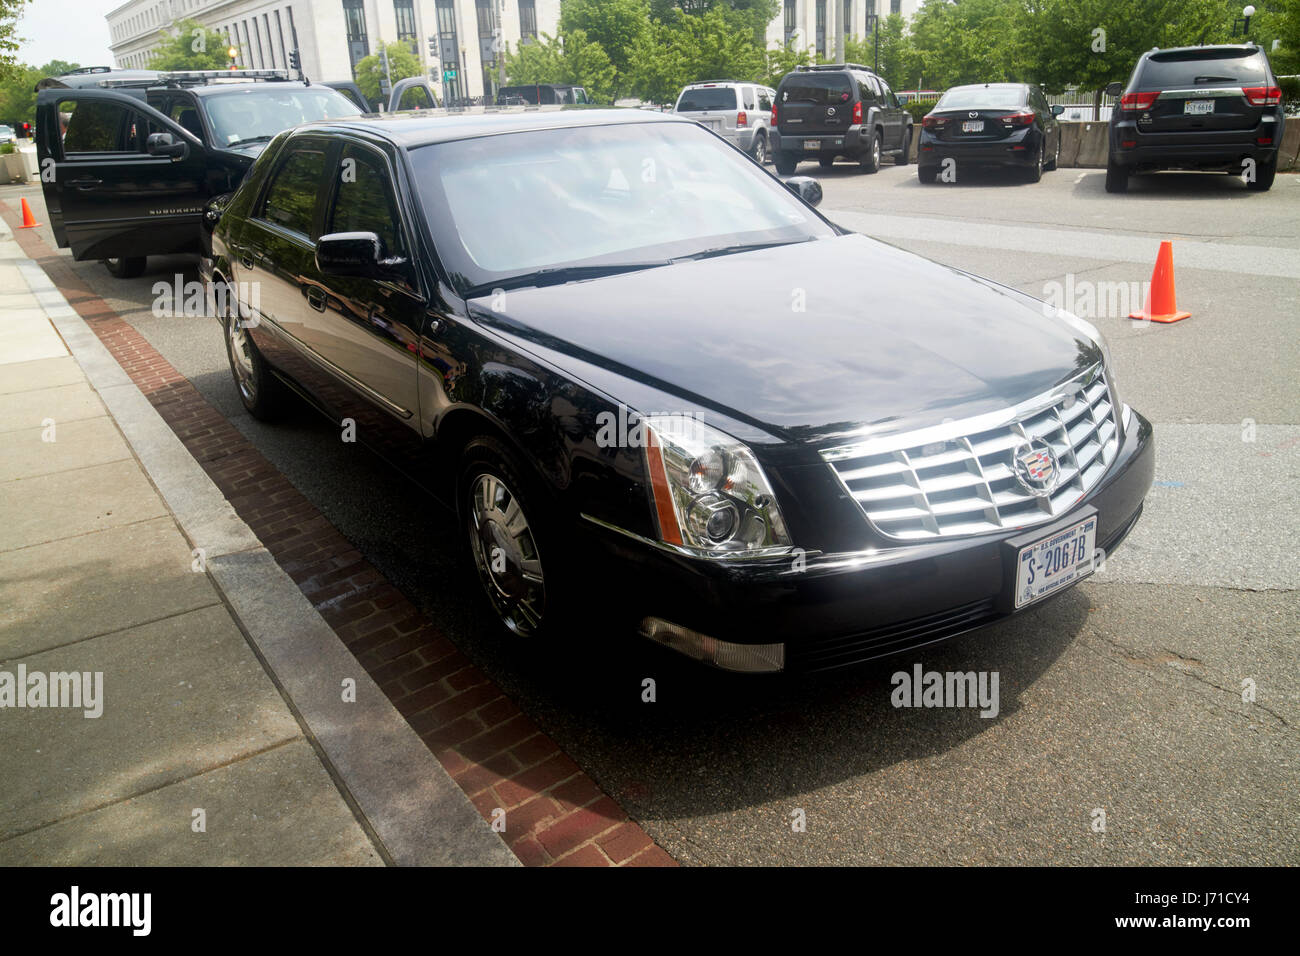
(315, 298)
(84, 183)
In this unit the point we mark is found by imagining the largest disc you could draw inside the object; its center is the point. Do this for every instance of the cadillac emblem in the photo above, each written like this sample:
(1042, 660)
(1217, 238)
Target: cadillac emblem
(1036, 468)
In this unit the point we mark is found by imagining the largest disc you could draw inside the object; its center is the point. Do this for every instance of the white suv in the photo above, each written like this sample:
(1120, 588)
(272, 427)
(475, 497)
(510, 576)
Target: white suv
(740, 112)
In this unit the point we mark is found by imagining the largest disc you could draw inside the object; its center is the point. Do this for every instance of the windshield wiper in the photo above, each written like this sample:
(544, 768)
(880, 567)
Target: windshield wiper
(558, 275)
(1214, 79)
(251, 139)
(741, 247)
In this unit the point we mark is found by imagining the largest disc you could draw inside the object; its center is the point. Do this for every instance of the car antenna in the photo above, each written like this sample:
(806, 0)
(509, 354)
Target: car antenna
(295, 58)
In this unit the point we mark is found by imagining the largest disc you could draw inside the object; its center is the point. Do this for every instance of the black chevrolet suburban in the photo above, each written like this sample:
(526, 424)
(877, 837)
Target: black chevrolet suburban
(1204, 107)
(129, 158)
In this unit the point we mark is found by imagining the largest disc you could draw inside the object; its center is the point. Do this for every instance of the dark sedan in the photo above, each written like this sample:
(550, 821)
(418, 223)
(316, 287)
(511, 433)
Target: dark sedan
(630, 360)
(989, 124)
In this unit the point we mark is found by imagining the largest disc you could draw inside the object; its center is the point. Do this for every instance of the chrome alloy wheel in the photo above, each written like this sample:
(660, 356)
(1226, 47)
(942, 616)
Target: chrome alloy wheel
(241, 358)
(506, 555)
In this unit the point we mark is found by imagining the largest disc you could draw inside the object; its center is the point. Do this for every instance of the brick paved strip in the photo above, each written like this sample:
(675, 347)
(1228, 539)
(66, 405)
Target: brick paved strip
(555, 815)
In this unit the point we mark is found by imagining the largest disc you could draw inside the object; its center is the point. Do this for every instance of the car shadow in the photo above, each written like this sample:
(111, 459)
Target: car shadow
(708, 741)
(1173, 184)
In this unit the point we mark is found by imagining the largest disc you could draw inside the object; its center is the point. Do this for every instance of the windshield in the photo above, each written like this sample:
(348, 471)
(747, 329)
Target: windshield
(1204, 67)
(697, 101)
(980, 97)
(628, 193)
(822, 88)
(249, 114)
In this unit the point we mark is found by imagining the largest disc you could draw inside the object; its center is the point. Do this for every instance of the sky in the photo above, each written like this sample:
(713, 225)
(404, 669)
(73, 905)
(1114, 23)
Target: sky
(74, 31)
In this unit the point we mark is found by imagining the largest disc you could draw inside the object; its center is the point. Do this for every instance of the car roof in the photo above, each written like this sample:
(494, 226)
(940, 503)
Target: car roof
(991, 86)
(410, 130)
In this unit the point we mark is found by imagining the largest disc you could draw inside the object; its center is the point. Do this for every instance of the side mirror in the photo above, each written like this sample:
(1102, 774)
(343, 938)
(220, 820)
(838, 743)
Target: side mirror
(356, 254)
(1058, 110)
(1114, 89)
(165, 144)
(806, 188)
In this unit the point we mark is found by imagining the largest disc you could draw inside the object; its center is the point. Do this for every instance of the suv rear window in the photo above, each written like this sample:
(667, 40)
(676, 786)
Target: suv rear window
(697, 101)
(816, 88)
(1190, 67)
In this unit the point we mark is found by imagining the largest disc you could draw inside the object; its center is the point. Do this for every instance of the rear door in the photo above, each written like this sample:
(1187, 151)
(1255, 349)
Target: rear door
(1201, 90)
(815, 102)
(896, 117)
(106, 195)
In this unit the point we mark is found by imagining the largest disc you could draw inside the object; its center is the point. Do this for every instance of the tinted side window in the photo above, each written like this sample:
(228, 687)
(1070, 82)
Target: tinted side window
(291, 198)
(890, 99)
(764, 100)
(364, 201)
(866, 89)
(747, 94)
(91, 126)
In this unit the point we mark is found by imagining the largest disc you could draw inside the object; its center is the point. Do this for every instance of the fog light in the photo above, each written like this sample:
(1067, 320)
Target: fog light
(745, 658)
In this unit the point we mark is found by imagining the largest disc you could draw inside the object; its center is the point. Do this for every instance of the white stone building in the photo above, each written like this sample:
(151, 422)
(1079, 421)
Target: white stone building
(333, 35)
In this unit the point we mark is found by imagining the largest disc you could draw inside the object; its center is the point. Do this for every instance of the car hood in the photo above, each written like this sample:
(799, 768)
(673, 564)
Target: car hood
(810, 342)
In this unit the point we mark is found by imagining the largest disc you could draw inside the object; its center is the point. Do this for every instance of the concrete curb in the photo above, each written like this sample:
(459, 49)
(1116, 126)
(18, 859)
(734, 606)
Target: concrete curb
(412, 804)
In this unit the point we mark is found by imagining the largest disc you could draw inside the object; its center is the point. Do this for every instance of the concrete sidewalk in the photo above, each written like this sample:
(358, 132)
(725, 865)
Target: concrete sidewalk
(212, 728)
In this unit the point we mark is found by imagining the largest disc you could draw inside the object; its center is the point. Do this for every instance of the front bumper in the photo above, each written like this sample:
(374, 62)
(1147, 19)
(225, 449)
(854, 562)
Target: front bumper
(832, 610)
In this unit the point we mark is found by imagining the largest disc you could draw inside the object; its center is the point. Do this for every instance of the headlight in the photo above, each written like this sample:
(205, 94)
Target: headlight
(710, 494)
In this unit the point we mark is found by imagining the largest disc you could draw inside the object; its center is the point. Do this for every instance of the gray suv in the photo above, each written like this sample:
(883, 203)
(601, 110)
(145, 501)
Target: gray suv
(738, 112)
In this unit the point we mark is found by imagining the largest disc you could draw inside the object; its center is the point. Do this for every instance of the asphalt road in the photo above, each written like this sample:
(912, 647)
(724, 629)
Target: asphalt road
(1124, 695)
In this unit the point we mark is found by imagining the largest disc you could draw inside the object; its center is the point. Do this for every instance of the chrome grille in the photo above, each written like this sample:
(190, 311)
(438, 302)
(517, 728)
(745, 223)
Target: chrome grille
(959, 478)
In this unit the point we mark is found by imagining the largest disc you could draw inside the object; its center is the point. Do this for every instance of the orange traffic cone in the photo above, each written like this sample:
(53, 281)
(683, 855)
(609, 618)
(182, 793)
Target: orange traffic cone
(29, 220)
(1161, 305)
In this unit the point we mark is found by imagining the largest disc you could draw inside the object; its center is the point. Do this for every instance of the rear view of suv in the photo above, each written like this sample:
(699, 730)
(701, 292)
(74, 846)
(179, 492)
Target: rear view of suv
(735, 111)
(837, 109)
(1208, 107)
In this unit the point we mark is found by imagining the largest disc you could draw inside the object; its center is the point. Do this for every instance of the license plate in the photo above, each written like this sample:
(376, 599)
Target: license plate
(1198, 107)
(812, 144)
(972, 126)
(1055, 562)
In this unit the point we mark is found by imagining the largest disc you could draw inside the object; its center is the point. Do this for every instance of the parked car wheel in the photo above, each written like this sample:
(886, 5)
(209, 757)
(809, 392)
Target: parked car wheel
(127, 268)
(1264, 173)
(785, 163)
(507, 529)
(927, 174)
(260, 391)
(759, 149)
(870, 161)
(1035, 172)
(904, 155)
(1056, 157)
(1116, 178)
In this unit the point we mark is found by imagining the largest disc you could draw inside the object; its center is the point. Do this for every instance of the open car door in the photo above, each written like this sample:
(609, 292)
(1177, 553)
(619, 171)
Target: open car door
(121, 180)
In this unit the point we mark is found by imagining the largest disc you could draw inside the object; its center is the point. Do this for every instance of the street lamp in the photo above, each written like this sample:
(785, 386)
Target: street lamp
(233, 54)
(1243, 21)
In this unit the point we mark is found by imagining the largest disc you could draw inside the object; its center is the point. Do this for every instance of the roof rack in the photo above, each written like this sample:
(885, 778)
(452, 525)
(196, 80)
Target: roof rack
(702, 82)
(811, 68)
(200, 77)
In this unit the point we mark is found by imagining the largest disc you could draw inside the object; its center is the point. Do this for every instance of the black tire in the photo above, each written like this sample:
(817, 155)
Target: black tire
(927, 174)
(1264, 173)
(904, 155)
(1035, 172)
(785, 164)
(1116, 178)
(128, 268)
(826, 162)
(261, 393)
(870, 160)
(525, 575)
(759, 150)
(1056, 157)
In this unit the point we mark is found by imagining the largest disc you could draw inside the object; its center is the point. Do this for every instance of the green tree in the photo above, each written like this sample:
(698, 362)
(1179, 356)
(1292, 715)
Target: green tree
(9, 39)
(615, 25)
(401, 64)
(895, 50)
(782, 60)
(18, 90)
(571, 59)
(683, 48)
(190, 47)
(967, 42)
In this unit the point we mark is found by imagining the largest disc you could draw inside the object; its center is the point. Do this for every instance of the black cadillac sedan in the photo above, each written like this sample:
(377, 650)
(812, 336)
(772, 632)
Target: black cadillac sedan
(662, 394)
(990, 124)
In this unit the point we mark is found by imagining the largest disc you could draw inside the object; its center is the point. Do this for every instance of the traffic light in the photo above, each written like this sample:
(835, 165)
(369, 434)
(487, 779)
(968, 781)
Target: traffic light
(233, 54)
(295, 61)
(433, 48)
